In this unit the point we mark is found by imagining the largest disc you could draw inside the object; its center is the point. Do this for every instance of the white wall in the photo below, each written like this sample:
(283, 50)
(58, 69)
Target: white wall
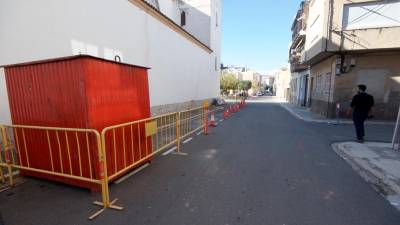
(316, 29)
(5, 117)
(170, 9)
(34, 30)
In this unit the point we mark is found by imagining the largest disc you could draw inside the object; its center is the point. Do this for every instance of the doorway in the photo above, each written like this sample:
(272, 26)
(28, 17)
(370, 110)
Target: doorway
(310, 91)
(305, 91)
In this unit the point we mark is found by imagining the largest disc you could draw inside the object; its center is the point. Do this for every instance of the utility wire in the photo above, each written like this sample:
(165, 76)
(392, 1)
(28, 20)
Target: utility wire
(374, 11)
(365, 15)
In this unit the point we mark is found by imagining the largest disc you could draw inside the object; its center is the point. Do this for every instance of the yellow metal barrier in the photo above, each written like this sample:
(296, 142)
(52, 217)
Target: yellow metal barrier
(131, 144)
(84, 155)
(66, 153)
(191, 121)
(3, 164)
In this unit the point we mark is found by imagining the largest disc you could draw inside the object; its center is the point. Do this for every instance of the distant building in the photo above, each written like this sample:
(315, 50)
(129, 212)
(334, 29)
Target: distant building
(348, 43)
(298, 68)
(235, 70)
(282, 83)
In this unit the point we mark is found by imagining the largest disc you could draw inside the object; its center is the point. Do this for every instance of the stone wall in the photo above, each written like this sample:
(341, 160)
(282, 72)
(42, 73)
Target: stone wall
(164, 109)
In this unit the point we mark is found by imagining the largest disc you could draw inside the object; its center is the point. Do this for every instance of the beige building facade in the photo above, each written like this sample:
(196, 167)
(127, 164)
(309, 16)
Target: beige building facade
(350, 43)
(282, 83)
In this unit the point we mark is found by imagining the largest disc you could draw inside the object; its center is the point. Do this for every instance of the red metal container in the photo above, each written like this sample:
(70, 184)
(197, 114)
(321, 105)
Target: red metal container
(75, 92)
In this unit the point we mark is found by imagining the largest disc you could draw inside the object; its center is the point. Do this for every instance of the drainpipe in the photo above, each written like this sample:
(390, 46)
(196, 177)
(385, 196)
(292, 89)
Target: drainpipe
(328, 37)
(329, 24)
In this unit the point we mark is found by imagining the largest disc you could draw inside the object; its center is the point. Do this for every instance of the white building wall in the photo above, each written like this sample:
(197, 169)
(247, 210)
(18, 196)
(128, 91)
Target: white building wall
(35, 30)
(5, 117)
(215, 36)
(316, 28)
(170, 9)
(198, 22)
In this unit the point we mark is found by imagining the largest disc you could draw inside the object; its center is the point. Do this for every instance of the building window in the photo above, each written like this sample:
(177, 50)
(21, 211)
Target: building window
(216, 64)
(183, 18)
(371, 15)
(216, 19)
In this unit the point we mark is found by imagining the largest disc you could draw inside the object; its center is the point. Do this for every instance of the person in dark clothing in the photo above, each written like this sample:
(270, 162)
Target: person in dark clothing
(362, 106)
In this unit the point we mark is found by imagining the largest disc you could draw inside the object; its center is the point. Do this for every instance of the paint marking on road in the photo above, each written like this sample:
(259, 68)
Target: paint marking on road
(120, 180)
(221, 120)
(187, 140)
(200, 133)
(169, 151)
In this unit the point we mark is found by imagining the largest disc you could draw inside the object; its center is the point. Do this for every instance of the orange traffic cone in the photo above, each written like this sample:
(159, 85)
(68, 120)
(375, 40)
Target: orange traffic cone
(225, 115)
(213, 123)
(235, 109)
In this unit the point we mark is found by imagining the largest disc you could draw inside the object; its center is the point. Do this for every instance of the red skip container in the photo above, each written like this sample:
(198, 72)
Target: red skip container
(74, 92)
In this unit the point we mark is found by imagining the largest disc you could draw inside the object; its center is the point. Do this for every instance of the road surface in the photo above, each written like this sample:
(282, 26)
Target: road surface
(262, 166)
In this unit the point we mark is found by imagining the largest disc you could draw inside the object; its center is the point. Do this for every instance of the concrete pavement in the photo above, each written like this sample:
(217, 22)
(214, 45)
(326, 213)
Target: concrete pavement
(261, 166)
(377, 163)
(308, 116)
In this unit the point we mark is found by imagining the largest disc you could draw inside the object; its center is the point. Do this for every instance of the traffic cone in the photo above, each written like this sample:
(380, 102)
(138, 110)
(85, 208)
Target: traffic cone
(213, 123)
(229, 111)
(235, 108)
(225, 115)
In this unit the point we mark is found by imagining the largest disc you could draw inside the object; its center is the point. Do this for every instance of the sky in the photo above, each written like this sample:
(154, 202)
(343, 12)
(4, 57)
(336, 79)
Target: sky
(256, 33)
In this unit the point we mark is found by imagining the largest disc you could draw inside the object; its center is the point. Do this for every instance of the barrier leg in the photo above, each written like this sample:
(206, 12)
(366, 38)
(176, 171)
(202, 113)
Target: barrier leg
(178, 135)
(105, 193)
(206, 120)
(9, 168)
(1, 157)
(2, 175)
(6, 147)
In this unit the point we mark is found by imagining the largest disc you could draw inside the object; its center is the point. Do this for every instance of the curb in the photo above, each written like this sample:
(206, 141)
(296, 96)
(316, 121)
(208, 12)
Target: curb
(330, 121)
(384, 187)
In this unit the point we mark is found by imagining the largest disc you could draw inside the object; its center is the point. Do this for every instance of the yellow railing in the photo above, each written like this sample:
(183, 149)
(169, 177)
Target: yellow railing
(191, 121)
(131, 144)
(68, 153)
(85, 155)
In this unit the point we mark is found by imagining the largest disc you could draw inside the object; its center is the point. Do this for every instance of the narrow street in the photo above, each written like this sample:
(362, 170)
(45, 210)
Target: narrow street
(262, 166)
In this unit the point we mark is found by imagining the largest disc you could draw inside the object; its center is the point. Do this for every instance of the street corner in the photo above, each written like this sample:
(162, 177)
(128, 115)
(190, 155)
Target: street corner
(378, 163)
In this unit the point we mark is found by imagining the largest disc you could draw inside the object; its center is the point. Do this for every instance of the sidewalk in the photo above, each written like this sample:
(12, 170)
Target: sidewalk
(377, 163)
(308, 116)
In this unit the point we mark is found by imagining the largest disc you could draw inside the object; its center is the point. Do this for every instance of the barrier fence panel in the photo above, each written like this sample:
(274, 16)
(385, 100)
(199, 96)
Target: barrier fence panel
(85, 158)
(132, 144)
(68, 155)
(191, 121)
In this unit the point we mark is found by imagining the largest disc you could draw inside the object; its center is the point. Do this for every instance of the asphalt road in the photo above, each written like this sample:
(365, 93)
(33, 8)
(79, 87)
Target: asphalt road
(262, 166)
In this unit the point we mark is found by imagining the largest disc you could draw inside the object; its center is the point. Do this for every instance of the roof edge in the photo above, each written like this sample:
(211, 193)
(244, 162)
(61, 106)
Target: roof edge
(68, 58)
